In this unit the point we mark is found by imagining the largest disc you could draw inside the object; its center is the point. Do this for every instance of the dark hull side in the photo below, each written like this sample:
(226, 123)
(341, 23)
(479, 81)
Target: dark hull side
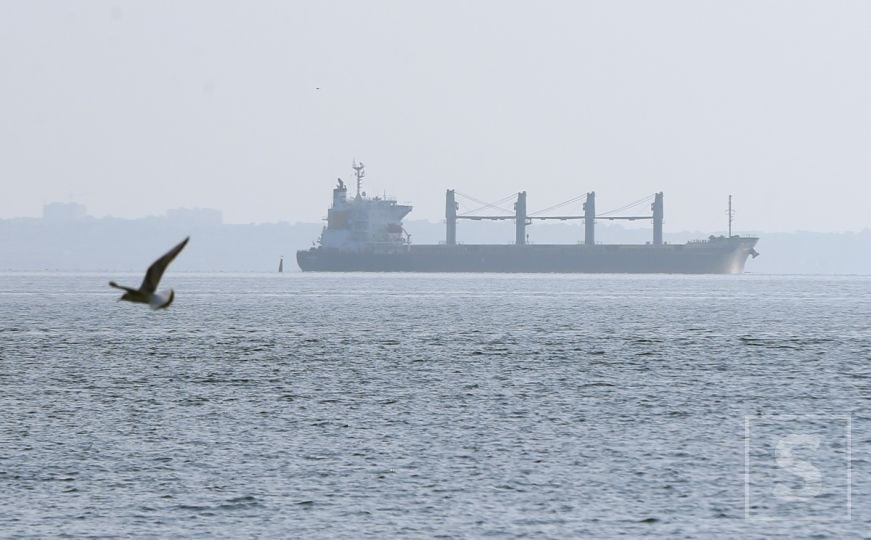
(719, 256)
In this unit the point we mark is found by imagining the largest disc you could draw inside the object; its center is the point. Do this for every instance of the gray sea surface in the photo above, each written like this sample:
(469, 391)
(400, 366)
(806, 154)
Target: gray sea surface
(451, 406)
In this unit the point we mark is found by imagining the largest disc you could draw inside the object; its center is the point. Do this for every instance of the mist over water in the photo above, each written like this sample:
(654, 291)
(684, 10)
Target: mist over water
(330, 406)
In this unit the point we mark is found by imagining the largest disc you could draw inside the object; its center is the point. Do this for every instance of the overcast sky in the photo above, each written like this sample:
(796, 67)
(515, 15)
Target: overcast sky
(132, 108)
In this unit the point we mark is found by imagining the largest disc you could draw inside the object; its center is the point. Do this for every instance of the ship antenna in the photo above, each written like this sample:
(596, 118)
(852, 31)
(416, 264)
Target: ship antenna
(358, 172)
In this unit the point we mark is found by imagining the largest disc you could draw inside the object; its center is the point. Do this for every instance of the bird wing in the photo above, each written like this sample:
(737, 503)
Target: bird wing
(122, 287)
(155, 271)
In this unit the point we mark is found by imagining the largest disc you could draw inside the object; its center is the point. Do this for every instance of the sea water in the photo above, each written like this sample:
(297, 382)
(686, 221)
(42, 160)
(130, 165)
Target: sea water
(410, 405)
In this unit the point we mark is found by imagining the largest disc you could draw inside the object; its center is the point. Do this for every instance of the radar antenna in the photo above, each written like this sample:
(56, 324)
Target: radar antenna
(358, 172)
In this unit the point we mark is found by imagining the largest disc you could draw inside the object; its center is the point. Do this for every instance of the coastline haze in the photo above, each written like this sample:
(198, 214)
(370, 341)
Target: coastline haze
(134, 109)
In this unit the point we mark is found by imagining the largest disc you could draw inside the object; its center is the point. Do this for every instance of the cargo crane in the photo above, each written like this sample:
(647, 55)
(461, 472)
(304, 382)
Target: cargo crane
(522, 218)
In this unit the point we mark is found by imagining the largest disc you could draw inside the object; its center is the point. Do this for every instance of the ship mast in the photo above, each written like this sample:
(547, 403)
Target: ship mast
(358, 172)
(731, 214)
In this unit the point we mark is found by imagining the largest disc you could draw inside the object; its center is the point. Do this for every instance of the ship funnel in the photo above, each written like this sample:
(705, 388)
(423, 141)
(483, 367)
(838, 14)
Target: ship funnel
(340, 194)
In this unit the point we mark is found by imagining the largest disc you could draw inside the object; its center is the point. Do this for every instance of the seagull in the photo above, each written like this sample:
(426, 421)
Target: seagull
(147, 292)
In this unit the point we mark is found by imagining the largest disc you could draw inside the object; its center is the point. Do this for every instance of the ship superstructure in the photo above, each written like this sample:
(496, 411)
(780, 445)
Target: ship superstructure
(366, 234)
(363, 224)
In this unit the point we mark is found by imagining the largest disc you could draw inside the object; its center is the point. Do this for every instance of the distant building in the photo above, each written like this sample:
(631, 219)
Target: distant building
(63, 211)
(195, 217)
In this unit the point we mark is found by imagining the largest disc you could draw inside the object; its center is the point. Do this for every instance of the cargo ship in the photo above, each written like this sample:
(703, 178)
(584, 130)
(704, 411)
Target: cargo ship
(365, 234)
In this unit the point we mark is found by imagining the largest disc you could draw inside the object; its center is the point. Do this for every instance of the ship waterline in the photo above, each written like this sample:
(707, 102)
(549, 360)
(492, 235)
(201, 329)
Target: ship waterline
(366, 235)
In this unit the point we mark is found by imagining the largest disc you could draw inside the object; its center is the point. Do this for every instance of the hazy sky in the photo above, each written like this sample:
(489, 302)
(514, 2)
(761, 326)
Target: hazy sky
(135, 107)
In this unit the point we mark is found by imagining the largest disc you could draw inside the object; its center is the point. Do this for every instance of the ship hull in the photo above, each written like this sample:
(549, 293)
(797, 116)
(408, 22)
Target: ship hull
(717, 256)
